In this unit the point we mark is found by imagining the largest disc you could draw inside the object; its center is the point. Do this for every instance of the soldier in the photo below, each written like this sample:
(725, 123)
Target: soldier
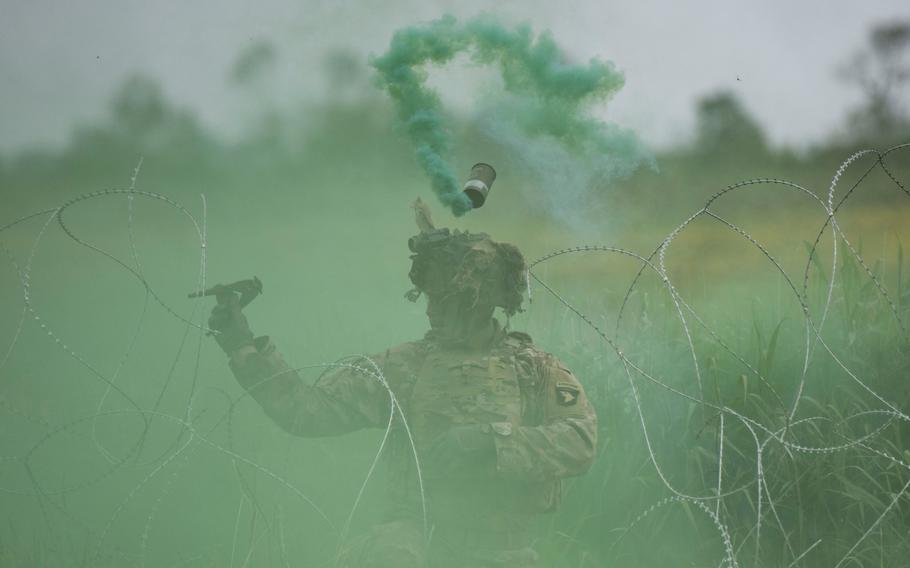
(496, 422)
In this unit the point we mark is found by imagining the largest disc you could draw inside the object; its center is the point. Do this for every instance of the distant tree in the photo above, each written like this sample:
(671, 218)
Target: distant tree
(344, 71)
(143, 117)
(881, 70)
(253, 77)
(141, 121)
(725, 127)
(139, 105)
(252, 63)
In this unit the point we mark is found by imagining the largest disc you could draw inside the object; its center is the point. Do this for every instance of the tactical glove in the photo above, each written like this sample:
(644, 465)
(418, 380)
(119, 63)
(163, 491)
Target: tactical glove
(229, 325)
(462, 450)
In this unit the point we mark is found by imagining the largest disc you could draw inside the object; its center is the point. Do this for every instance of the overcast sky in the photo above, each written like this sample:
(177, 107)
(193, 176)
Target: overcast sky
(60, 60)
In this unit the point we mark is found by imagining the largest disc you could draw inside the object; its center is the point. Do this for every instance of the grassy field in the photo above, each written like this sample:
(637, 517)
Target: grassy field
(705, 457)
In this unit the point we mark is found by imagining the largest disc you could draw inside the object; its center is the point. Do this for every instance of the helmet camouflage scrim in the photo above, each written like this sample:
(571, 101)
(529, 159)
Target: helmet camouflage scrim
(454, 262)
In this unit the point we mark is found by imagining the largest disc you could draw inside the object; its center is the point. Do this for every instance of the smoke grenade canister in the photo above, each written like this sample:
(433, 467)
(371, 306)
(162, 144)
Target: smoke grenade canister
(478, 186)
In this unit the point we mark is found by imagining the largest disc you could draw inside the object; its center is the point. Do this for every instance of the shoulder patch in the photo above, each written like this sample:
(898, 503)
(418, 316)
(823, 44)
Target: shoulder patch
(567, 394)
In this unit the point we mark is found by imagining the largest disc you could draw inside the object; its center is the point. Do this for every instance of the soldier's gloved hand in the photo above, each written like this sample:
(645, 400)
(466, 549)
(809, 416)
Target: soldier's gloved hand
(462, 450)
(229, 325)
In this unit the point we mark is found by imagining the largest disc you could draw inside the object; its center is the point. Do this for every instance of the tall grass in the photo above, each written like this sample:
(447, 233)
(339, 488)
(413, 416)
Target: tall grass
(834, 494)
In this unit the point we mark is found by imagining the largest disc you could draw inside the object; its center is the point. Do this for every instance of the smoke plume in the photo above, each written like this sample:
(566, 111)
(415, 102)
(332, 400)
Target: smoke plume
(546, 104)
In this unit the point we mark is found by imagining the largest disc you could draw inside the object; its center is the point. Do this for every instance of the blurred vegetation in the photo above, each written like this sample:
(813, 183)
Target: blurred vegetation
(882, 72)
(819, 490)
(314, 199)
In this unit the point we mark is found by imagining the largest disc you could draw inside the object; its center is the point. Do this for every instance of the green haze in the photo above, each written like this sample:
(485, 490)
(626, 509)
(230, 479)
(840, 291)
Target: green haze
(126, 442)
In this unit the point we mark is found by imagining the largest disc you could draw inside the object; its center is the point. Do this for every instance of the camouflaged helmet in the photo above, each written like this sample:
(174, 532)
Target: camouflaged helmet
(446, 262)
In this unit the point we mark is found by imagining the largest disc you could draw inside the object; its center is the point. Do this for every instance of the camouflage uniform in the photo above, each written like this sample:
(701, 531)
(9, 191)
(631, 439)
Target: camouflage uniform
(535, 409)
(496, 422)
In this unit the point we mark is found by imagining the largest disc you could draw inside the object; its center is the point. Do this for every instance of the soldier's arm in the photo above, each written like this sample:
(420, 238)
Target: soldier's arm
(342, 401)
(563, 444)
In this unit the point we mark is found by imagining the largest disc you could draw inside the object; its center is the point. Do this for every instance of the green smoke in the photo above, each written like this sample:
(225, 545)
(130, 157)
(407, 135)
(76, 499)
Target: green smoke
(549, 99)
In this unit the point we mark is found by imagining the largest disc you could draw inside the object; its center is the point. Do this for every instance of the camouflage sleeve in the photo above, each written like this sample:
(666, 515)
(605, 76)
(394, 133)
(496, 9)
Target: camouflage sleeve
(562, 439)
(341, 401)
